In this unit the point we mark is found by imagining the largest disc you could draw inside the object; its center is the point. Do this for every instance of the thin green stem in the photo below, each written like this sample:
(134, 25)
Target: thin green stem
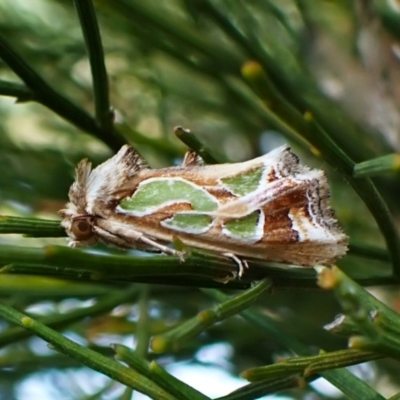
(142, 330)
(47, 96)
(310, 365)
(182, 333)
(199, 269)
(187, 137)
(86, 356)
(170, 27)
(60, 321)
(256, 390)
(32, 227)
(341, 378)
(91, 32)
(377, 166)
(369, 252)
(157, 374)
(173, 385)
(17, 90)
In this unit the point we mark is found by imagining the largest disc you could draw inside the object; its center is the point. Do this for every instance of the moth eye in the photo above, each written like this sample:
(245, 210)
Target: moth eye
(81, 229)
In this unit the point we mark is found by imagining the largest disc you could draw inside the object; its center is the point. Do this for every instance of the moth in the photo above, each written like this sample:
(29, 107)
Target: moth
(270, 208)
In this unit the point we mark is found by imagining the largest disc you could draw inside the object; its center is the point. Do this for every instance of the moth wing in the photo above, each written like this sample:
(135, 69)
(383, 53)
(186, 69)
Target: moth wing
(192, 159)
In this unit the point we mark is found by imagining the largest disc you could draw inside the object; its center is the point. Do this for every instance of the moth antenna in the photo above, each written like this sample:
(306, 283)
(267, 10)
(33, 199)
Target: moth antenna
(192, 159)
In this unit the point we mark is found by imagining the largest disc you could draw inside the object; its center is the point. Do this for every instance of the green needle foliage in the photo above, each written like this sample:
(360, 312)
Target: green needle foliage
(232, 80)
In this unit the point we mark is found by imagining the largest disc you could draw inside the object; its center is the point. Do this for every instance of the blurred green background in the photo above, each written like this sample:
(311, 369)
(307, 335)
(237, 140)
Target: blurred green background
(244, 77)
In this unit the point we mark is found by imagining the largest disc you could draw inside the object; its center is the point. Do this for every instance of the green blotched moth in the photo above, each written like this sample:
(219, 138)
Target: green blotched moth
(269, 208)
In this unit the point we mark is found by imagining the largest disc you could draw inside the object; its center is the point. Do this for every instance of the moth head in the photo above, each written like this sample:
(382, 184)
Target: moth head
(75, 219)
(79, 228)
(94, 191)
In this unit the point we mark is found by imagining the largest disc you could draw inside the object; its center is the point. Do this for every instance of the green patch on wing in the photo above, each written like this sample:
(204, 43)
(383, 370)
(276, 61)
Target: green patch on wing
(243, 228)
(245, 182)
(188, 223)
(154, 193)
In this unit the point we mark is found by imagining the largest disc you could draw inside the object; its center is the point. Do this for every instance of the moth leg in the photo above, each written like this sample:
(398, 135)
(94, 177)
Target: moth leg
(164, 249)
(242, 264)
(127, 237)
(109, 238)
